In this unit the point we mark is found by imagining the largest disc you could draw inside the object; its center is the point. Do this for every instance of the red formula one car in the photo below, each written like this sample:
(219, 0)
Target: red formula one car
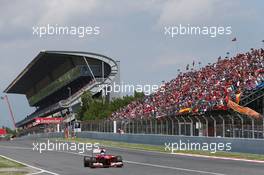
(102, 160)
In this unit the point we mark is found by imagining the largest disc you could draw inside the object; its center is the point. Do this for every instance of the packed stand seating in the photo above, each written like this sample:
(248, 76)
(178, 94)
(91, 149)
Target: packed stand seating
(201, 90)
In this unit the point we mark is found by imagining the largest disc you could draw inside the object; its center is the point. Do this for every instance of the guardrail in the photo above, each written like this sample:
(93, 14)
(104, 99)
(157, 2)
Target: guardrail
(237, 144)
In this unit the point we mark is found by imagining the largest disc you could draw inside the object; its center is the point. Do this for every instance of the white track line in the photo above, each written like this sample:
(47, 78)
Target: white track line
(189, 155)
(174, 168)
(192, 155)
(220, 158)
(136, 163)
(36, 173)
(157, 166)
(153, 165)
(25, 164)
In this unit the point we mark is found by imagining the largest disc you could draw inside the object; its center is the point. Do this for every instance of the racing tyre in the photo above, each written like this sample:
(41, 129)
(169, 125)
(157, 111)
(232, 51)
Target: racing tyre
(92, 160)
(119, 159)
(86, 161)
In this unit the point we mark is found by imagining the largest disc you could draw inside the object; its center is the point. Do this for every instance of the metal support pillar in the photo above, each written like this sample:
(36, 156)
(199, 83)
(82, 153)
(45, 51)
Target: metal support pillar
(206, 122)
(151, 125)
(192, 125)
(146, 126)
(185, 127)
(242, 125)
(89, 68)
(129, 127)
(232, 121)
(167, 127)
(214, 125)
(156, 126)
(172, 126)
(200, 123)
(223, 125)
(137, 131)
(253, 127)
(161, 128)
(133, 126)
(178, 123)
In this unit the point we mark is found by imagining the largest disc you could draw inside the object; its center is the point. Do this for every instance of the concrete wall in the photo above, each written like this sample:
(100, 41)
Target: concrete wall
(255, 146)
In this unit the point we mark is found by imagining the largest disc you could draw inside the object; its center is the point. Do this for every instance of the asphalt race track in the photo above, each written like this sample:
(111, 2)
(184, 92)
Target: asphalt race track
(135, 162)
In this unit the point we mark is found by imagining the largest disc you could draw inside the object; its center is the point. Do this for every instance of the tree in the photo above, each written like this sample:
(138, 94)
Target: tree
(139, 95)
(93, 109)
(87, 99)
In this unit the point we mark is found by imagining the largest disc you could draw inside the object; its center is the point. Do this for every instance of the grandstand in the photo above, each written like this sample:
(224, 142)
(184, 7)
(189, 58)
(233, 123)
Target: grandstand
(54, 81)
(224, 99)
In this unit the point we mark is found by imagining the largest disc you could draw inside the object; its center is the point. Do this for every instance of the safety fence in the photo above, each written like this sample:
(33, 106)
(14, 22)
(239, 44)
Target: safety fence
(230, 125)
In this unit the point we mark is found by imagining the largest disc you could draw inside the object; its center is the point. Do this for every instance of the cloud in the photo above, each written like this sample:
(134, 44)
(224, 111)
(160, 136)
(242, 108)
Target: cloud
(17, 19)
(205, 11)
(62, 11)
(186, 11)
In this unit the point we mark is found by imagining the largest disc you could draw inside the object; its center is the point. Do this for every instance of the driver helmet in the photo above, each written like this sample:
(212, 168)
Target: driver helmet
(102, 151)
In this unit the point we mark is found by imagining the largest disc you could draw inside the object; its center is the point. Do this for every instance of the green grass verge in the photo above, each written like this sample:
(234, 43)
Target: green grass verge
(162, 149)
(13, 173)
(5, 163)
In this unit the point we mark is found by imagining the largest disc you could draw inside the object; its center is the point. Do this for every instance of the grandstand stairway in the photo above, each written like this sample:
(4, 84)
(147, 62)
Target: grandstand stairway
(94, 86)
(255, 95)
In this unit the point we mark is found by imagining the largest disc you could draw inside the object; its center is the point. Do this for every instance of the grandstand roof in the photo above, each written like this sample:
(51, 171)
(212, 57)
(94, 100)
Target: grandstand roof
(41, 65)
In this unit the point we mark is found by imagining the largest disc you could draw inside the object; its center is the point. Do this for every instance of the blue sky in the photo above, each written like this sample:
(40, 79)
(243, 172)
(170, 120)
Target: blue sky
(131, 31)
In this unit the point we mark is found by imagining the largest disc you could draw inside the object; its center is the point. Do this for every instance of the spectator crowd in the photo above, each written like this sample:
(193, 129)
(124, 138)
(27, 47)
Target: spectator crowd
(199, 91)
